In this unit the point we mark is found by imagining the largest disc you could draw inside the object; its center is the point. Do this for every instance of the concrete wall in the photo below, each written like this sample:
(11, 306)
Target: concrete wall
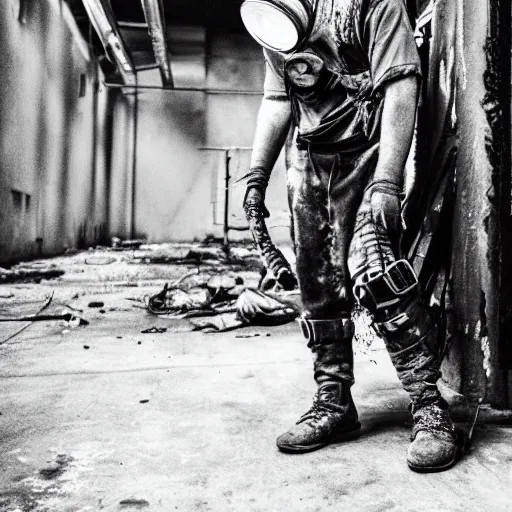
(179, 193)
(52, 141)
(77, 164)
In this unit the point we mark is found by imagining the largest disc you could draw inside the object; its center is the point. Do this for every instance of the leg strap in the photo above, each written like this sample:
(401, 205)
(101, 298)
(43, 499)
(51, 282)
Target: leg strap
(326, 331)
(407, 324)
(386, 289)
(411, 338)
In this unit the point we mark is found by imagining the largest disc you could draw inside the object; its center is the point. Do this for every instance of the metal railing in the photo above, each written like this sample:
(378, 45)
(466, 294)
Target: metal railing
(227, 179)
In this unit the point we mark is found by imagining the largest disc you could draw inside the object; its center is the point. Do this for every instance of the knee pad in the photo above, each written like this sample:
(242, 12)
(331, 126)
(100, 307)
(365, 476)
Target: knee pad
(379, 290)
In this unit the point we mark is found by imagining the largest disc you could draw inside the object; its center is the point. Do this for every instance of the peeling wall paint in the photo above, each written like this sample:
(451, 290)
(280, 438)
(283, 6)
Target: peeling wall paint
(486, 351)
(477, 243)
(463, 110)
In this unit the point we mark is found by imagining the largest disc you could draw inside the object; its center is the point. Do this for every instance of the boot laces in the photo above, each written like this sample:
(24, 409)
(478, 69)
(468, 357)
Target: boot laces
(320, 411)
(433, 419)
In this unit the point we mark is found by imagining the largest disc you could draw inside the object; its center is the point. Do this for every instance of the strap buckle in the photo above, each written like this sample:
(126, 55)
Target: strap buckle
(307, 329)
(383, 329)
(401, 278)
(386, 289)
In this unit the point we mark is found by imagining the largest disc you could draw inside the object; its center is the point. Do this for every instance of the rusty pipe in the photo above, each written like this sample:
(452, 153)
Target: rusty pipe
(154, 13)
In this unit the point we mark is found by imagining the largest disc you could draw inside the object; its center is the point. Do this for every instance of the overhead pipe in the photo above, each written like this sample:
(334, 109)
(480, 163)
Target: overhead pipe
(228, 92)
(104, 22)
(154, 13)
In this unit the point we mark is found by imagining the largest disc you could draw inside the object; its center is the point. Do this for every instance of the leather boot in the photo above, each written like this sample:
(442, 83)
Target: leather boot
(411, 339)
(333, 416)
(434, 444)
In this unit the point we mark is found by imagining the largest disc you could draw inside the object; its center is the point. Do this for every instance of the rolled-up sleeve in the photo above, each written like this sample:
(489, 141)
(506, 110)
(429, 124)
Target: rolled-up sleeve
(390, 44)
(274, 86)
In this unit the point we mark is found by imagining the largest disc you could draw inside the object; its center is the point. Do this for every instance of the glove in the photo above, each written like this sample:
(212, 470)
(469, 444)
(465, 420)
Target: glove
(256, 213)
(385, 199)
(254, 200)
(254, 203)
(376, 232)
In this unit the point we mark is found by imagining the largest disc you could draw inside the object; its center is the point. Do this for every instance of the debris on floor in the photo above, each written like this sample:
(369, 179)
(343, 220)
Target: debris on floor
(29, 272)
(54, 468)
(214, 290)
(240, 257)
(217, 303)
(118, 244)
(95, 304)
(154, 330)
(17, 312)
(134, 503)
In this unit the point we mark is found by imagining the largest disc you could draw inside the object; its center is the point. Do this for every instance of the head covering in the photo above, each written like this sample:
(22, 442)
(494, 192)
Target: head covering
(280, 25)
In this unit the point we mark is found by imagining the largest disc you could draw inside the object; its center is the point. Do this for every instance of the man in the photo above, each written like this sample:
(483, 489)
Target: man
(346, 74)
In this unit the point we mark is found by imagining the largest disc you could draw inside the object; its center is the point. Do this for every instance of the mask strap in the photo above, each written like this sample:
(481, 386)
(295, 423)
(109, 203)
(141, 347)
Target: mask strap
(311, 12)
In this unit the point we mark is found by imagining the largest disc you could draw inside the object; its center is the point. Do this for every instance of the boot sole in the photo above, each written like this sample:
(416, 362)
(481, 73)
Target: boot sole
(434, 469)
(350, 433)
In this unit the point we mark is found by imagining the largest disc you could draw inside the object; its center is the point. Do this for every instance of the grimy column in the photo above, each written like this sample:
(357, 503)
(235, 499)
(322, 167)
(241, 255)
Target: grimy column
(482, 234)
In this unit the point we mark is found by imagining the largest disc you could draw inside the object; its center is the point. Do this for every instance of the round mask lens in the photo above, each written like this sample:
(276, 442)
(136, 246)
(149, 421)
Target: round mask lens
(270, 26)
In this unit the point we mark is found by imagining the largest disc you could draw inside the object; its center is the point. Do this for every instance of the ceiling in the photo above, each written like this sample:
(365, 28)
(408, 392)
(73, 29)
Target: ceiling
(191, 13)
(177, 12)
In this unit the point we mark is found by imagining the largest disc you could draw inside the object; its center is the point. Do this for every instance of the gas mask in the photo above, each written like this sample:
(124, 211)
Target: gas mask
(279, 25)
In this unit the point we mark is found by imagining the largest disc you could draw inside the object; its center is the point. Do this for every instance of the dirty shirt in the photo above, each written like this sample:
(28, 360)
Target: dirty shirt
(335, 80)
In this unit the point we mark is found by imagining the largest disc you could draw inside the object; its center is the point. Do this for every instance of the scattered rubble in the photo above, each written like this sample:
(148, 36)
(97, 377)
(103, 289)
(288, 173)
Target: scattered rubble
(118, 244)
(72, 319)
(55, 467)
(95, 304)
(214, 290)
(134, 503)
(154, 330)
(219, 304)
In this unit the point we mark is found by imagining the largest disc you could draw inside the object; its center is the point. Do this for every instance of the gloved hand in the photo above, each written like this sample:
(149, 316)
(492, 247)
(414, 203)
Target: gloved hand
(254, 203)
(256, 213)
(385, 199)
(375, 241)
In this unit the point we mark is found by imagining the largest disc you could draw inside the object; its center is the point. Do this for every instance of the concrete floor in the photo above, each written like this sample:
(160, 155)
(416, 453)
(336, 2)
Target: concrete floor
(187, 421)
